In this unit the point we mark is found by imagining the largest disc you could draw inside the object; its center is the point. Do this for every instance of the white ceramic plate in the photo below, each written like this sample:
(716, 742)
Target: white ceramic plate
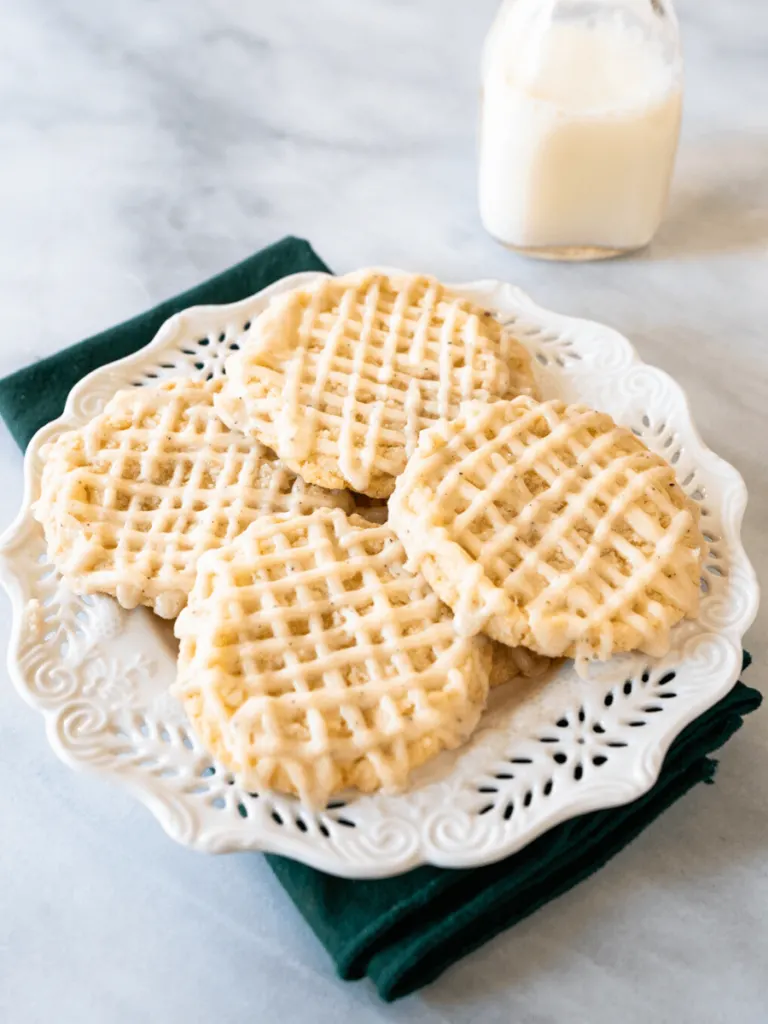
(100, 675)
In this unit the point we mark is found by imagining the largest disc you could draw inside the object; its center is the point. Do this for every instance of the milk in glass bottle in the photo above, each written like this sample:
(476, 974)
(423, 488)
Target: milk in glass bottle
(580, 119)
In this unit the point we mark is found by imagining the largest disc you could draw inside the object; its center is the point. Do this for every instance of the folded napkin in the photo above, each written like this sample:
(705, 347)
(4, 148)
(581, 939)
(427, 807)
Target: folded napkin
(401, 932)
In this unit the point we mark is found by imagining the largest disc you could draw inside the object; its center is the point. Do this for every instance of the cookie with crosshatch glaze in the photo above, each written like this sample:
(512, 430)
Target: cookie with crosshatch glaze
(548, 526)
(130, 501)
(339, 376)
(312, 660)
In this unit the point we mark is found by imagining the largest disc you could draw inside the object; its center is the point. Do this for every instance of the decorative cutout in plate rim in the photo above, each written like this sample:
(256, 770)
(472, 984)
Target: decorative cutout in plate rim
(553, 749)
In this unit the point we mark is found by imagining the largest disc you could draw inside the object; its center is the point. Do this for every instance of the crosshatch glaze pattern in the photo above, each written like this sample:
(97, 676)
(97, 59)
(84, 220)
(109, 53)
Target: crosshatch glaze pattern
(546, 751)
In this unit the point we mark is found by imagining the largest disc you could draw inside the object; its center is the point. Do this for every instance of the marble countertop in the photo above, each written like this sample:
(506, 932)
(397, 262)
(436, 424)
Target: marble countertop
(145, 147)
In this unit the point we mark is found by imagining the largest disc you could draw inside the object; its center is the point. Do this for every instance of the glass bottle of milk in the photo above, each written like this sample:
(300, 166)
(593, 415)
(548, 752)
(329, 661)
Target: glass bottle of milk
(580, 120)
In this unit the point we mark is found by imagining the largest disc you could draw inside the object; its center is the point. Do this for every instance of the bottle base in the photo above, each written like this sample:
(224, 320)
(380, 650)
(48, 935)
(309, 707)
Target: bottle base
(568, 253)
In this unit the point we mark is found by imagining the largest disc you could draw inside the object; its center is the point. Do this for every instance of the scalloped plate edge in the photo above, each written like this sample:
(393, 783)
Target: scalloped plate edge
(595, 797)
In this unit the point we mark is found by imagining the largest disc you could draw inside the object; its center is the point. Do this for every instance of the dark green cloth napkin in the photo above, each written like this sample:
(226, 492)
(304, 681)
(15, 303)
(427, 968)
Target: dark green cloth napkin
(401, 932)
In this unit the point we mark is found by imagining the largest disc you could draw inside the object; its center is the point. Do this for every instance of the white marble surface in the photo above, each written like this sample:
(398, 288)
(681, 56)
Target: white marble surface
(146, 146)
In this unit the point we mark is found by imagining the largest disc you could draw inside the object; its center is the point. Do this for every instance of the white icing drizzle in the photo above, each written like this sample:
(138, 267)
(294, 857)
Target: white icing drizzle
(476, 602)
(446, 349)
(605, 549)
(418, 349)
(131, 501)
(296, 432)
(342, 660)
(468, 374)
(368, 362)
(412, 418)
(355, 464)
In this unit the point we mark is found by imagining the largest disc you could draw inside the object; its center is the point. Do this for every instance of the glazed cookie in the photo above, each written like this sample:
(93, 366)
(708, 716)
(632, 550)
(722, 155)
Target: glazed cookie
(548, 526)
(130, 501)
(313, 660)
(340, 376)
